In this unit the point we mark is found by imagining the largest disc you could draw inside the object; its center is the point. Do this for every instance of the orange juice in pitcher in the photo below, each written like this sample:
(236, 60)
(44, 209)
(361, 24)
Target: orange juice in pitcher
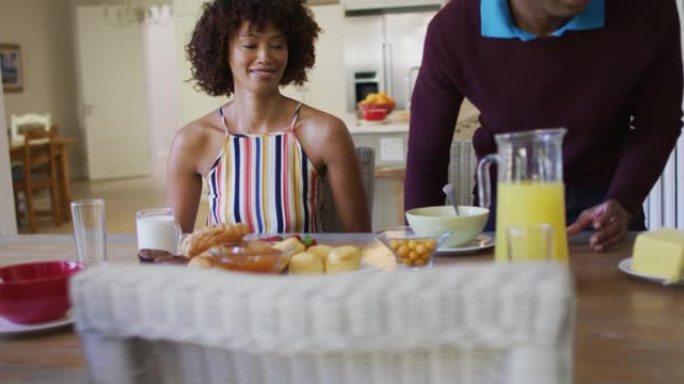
(530, 186)
(531, 203)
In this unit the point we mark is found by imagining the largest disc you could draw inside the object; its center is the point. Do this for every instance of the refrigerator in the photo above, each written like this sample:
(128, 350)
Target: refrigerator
(389, 44)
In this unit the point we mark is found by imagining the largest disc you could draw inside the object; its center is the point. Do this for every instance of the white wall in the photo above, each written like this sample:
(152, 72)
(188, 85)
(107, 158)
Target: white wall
(43, 29)
(193, 103)
(163, 92)
(8, 223)
(327, 85)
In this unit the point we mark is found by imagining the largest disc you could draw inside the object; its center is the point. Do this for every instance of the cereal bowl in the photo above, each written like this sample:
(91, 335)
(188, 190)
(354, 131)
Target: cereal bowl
(409, 248)
(36, 292)
(432, 221)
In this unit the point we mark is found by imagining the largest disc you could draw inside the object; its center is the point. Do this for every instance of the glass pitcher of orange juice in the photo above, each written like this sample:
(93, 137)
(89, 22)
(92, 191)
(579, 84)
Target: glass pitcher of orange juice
(530, 186)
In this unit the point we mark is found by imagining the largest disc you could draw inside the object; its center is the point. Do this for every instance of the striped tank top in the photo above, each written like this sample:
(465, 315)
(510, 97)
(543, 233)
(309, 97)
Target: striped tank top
(265, 181)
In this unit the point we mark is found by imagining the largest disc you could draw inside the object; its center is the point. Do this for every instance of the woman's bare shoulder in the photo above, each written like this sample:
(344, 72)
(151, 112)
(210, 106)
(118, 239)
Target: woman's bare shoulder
(321, 124)
(196, 145)
(198, 133)
(323, 136)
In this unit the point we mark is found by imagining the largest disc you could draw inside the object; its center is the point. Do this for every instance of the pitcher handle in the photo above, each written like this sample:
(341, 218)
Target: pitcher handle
(484, 180)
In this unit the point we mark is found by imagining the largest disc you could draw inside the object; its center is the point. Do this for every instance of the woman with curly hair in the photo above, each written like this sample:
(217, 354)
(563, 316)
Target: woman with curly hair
(264, 155)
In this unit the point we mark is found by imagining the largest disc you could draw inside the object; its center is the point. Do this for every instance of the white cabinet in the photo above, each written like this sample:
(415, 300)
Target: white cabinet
(362, 5)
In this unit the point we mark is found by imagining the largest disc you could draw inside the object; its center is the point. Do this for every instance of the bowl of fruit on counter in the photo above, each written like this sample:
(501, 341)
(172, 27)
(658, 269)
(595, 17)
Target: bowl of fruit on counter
(376, 106)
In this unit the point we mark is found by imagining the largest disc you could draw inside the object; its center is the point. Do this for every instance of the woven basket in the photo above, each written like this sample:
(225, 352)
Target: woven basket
(465, 324)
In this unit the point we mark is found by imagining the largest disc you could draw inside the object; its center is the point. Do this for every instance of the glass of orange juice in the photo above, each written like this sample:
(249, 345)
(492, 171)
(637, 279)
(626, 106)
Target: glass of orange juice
(530, 242)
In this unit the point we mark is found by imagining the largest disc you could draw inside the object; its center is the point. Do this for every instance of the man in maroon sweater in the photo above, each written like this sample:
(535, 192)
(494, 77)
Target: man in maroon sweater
(609, 71)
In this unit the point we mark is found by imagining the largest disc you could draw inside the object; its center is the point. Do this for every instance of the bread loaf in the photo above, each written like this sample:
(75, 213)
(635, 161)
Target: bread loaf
(307, 263)
(290, 246)
(202, 261)
(322, 250)
(207, 237)
(343, 259)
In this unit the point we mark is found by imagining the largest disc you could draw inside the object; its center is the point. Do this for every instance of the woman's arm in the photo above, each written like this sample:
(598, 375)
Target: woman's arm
(184, 182)
(344, 176)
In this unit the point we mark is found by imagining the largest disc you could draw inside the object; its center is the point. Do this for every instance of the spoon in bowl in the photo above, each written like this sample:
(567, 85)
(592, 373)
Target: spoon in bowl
(450, 193)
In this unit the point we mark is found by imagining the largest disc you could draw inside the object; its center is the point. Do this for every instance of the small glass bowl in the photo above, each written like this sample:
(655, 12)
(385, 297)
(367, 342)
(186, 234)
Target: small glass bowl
(249, 256)
(409, 248)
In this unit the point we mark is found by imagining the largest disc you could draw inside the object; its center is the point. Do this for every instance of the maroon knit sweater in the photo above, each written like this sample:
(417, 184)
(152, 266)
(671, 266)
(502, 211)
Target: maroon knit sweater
(590, 82)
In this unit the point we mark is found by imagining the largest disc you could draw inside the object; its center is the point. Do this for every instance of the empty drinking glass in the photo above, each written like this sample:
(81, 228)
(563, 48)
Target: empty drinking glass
(90, 231)
(530, 242)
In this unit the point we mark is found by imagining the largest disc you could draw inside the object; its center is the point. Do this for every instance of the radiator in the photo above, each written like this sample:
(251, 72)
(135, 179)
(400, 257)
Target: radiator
(664, 206)
(462, 165)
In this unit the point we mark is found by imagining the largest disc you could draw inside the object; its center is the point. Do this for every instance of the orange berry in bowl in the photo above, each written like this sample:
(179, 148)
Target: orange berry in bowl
(409, 248)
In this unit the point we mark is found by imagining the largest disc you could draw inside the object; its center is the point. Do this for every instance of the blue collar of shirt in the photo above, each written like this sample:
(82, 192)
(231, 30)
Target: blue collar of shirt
(496, 21)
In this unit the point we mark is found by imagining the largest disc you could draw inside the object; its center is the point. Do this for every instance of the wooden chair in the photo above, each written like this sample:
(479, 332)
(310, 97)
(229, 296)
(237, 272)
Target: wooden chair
(396, 174)
(472, 324)
(19, 124)
(38, 173)
(462, 165)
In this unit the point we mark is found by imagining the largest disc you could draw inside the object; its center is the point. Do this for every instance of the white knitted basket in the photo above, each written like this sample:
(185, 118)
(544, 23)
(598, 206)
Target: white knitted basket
(464, 324)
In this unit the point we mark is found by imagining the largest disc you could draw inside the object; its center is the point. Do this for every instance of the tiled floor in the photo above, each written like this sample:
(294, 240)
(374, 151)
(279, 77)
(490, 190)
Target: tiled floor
(122, 197)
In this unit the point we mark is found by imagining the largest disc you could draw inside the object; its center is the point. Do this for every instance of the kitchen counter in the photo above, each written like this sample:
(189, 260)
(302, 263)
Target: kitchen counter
(392, 124)
(398, 122)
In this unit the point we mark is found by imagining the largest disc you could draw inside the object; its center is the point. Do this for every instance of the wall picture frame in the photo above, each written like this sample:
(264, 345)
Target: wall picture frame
(11, 67)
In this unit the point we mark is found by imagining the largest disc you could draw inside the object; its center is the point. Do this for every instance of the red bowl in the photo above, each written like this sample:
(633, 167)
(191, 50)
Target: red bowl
(36, 292)
(374, 114)
(389, 107)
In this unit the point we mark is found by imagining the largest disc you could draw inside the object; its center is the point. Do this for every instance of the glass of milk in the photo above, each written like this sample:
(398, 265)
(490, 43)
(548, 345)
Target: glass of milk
(157, 229)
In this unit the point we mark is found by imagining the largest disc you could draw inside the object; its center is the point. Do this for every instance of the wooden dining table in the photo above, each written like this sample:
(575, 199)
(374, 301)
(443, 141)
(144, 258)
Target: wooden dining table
(61, 144)
(627, 330)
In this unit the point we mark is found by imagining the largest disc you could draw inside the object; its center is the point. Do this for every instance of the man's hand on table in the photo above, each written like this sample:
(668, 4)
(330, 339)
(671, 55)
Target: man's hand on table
(610, 220)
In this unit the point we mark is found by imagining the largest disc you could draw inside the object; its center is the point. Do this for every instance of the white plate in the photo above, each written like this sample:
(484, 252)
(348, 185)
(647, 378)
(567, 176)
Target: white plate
(626, 266)
(365, 268)
(480, 242)
(9, 328)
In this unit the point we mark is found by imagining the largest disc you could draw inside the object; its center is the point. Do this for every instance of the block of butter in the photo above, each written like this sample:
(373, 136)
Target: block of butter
(659, 253)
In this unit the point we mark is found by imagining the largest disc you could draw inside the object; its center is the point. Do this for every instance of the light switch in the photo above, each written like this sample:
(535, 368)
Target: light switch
(392, 149)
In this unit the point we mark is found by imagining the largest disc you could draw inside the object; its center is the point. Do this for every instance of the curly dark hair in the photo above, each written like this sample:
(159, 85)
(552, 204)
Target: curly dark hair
(221, 19)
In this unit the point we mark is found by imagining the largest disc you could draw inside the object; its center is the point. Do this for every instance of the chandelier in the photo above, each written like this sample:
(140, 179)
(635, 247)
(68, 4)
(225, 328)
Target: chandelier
(124, 13)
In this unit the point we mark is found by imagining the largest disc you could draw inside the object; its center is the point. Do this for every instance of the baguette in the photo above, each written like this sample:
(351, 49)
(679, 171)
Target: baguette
(203, 239)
